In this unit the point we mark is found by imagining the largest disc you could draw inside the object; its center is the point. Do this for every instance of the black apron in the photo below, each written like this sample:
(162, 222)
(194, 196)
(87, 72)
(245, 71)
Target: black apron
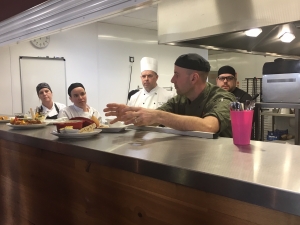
(51, 117)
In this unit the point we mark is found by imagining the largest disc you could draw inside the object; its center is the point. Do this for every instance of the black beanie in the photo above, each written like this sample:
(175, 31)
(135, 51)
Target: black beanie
(41, 86)
(193, 61)
(74, 85)
(226, 69)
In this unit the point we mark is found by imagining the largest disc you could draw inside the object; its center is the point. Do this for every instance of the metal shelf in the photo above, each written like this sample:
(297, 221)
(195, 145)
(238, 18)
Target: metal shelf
(277, 114)
(259, 114)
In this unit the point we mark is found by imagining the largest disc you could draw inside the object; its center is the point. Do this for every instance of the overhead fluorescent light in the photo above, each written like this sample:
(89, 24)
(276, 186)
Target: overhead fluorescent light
(287, 37)
(253, 32)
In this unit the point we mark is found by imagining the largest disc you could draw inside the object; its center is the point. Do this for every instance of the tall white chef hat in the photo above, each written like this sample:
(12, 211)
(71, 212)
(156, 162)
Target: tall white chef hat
(148, 63)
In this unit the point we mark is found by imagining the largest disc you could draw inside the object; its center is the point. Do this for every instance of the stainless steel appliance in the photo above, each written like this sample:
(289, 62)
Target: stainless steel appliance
(281, 81)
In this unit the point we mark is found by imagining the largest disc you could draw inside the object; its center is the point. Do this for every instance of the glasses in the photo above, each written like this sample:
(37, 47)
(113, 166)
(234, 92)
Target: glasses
(230, 78)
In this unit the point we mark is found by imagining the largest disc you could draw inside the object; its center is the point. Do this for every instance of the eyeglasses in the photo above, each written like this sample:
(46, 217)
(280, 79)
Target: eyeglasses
(230, 78)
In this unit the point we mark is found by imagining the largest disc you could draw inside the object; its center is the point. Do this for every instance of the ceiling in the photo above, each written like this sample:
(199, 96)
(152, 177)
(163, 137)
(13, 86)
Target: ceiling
(144, 18)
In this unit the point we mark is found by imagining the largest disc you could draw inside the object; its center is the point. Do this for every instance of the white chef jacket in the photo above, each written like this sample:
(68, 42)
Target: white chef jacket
(52, 112)
(74, 111)
(151, 100)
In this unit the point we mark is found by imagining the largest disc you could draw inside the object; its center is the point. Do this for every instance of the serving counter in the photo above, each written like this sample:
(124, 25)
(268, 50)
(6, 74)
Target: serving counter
(144, 177)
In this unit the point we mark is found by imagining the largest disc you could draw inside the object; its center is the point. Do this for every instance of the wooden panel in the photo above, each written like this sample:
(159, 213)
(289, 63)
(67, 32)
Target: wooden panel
(41, 187)
(9, 9)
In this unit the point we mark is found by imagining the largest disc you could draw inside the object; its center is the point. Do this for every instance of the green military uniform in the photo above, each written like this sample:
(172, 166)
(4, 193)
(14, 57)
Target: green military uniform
(213, 101)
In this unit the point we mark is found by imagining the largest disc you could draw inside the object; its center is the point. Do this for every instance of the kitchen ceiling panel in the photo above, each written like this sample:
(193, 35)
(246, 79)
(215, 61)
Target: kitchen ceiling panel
(125, 21)
(149, 13)
(151, 25)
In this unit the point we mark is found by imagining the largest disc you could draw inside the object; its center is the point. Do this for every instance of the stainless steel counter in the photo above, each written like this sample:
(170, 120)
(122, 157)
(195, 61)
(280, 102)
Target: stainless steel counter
(265, 174)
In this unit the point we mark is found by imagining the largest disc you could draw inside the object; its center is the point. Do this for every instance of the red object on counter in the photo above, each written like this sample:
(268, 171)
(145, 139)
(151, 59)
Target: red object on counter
(86, 121)
(76, 124)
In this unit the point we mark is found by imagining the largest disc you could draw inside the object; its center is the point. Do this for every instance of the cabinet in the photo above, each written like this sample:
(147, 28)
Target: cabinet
(259, 132)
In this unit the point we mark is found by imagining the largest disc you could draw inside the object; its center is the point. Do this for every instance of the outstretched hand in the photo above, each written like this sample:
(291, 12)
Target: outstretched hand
(131, 115)
(114, 109)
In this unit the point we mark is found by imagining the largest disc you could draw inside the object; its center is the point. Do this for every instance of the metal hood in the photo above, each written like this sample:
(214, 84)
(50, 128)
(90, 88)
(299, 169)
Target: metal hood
(220, 25)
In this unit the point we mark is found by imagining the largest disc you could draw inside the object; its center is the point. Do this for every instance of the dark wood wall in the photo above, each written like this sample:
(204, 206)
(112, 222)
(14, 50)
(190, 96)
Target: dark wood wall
(11, 8)
(39, 187)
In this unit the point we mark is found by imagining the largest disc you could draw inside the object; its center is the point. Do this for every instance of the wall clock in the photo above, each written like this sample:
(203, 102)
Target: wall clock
(42, 42)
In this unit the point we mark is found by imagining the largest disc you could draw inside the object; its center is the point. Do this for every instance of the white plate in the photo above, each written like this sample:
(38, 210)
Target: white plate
(4, 121)
(113, 129)
(76, 135)
(30, 126)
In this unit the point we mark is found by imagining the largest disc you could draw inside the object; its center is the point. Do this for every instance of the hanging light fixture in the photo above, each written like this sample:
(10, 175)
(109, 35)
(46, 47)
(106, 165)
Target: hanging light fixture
(287, 37)
(253, 32)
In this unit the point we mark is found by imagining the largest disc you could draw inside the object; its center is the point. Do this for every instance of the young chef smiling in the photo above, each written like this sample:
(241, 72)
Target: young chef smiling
(80, 108)
(199, 106)
(151, 96)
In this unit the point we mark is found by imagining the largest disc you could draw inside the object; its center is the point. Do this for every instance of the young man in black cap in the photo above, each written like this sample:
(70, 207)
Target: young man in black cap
(227, 80)
(199, 106)
(77, 95)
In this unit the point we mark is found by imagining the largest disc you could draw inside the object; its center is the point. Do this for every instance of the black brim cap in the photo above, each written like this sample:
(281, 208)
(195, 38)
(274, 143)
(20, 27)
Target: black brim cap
(193, 61)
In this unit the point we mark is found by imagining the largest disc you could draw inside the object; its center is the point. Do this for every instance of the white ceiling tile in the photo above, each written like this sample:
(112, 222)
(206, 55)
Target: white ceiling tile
(151, 25)
(149, 13)
(125, 21)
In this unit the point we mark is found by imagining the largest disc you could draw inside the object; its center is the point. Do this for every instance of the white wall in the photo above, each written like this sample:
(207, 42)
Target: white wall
(114, 66)
(5, 82)
(101, 65)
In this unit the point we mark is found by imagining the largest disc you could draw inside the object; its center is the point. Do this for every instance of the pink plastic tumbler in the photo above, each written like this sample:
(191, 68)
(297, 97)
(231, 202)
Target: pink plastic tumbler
(241, 122)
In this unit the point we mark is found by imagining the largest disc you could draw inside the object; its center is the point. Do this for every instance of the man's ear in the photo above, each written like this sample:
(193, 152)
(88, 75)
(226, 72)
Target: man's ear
(195, 76)
(70, 99)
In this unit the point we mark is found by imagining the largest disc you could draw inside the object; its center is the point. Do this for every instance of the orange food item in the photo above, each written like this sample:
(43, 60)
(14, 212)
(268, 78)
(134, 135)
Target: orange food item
(18, 121)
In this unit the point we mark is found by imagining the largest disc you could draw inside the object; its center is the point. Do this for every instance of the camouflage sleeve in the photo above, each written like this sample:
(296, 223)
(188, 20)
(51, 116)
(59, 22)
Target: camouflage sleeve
(220, 108)
(168, 106)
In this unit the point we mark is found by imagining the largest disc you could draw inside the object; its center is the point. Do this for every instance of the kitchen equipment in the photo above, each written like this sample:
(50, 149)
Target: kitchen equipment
(284, 111)
(281, 81)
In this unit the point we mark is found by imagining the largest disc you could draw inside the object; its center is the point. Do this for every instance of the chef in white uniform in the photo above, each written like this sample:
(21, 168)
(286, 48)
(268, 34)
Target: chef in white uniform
(151, 96)
(77, 95)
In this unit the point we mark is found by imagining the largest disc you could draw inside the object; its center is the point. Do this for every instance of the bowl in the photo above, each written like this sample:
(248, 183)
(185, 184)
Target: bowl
(116, 124)
(86, 121)
(76, 124)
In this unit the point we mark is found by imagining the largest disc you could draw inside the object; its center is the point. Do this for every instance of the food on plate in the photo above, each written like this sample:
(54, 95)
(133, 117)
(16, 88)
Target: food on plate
(40, 116)
(4, 118)
(66, 128)
(94, 118)
(19, 121)
(76, 124)
(88, 128)
(103, 126)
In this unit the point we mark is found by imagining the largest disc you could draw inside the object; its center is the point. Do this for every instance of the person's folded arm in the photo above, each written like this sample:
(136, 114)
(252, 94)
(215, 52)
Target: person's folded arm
(186, 123)
(150, 117)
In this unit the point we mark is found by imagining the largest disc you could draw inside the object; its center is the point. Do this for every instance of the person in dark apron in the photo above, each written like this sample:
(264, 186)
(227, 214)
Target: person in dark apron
(48, 107)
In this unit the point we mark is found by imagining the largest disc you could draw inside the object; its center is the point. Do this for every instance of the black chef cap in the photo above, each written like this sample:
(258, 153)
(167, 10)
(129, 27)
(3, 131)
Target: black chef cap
(41, 86)
(74, 85)
(226, 69)
(193, 61)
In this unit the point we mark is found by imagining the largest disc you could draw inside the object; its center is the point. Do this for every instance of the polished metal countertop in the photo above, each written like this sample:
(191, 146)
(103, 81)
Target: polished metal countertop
(262, 173)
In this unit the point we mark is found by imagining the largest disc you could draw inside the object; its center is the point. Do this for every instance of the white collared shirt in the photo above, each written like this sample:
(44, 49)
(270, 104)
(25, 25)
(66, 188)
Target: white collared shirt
(151, 100)
(74, 111)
